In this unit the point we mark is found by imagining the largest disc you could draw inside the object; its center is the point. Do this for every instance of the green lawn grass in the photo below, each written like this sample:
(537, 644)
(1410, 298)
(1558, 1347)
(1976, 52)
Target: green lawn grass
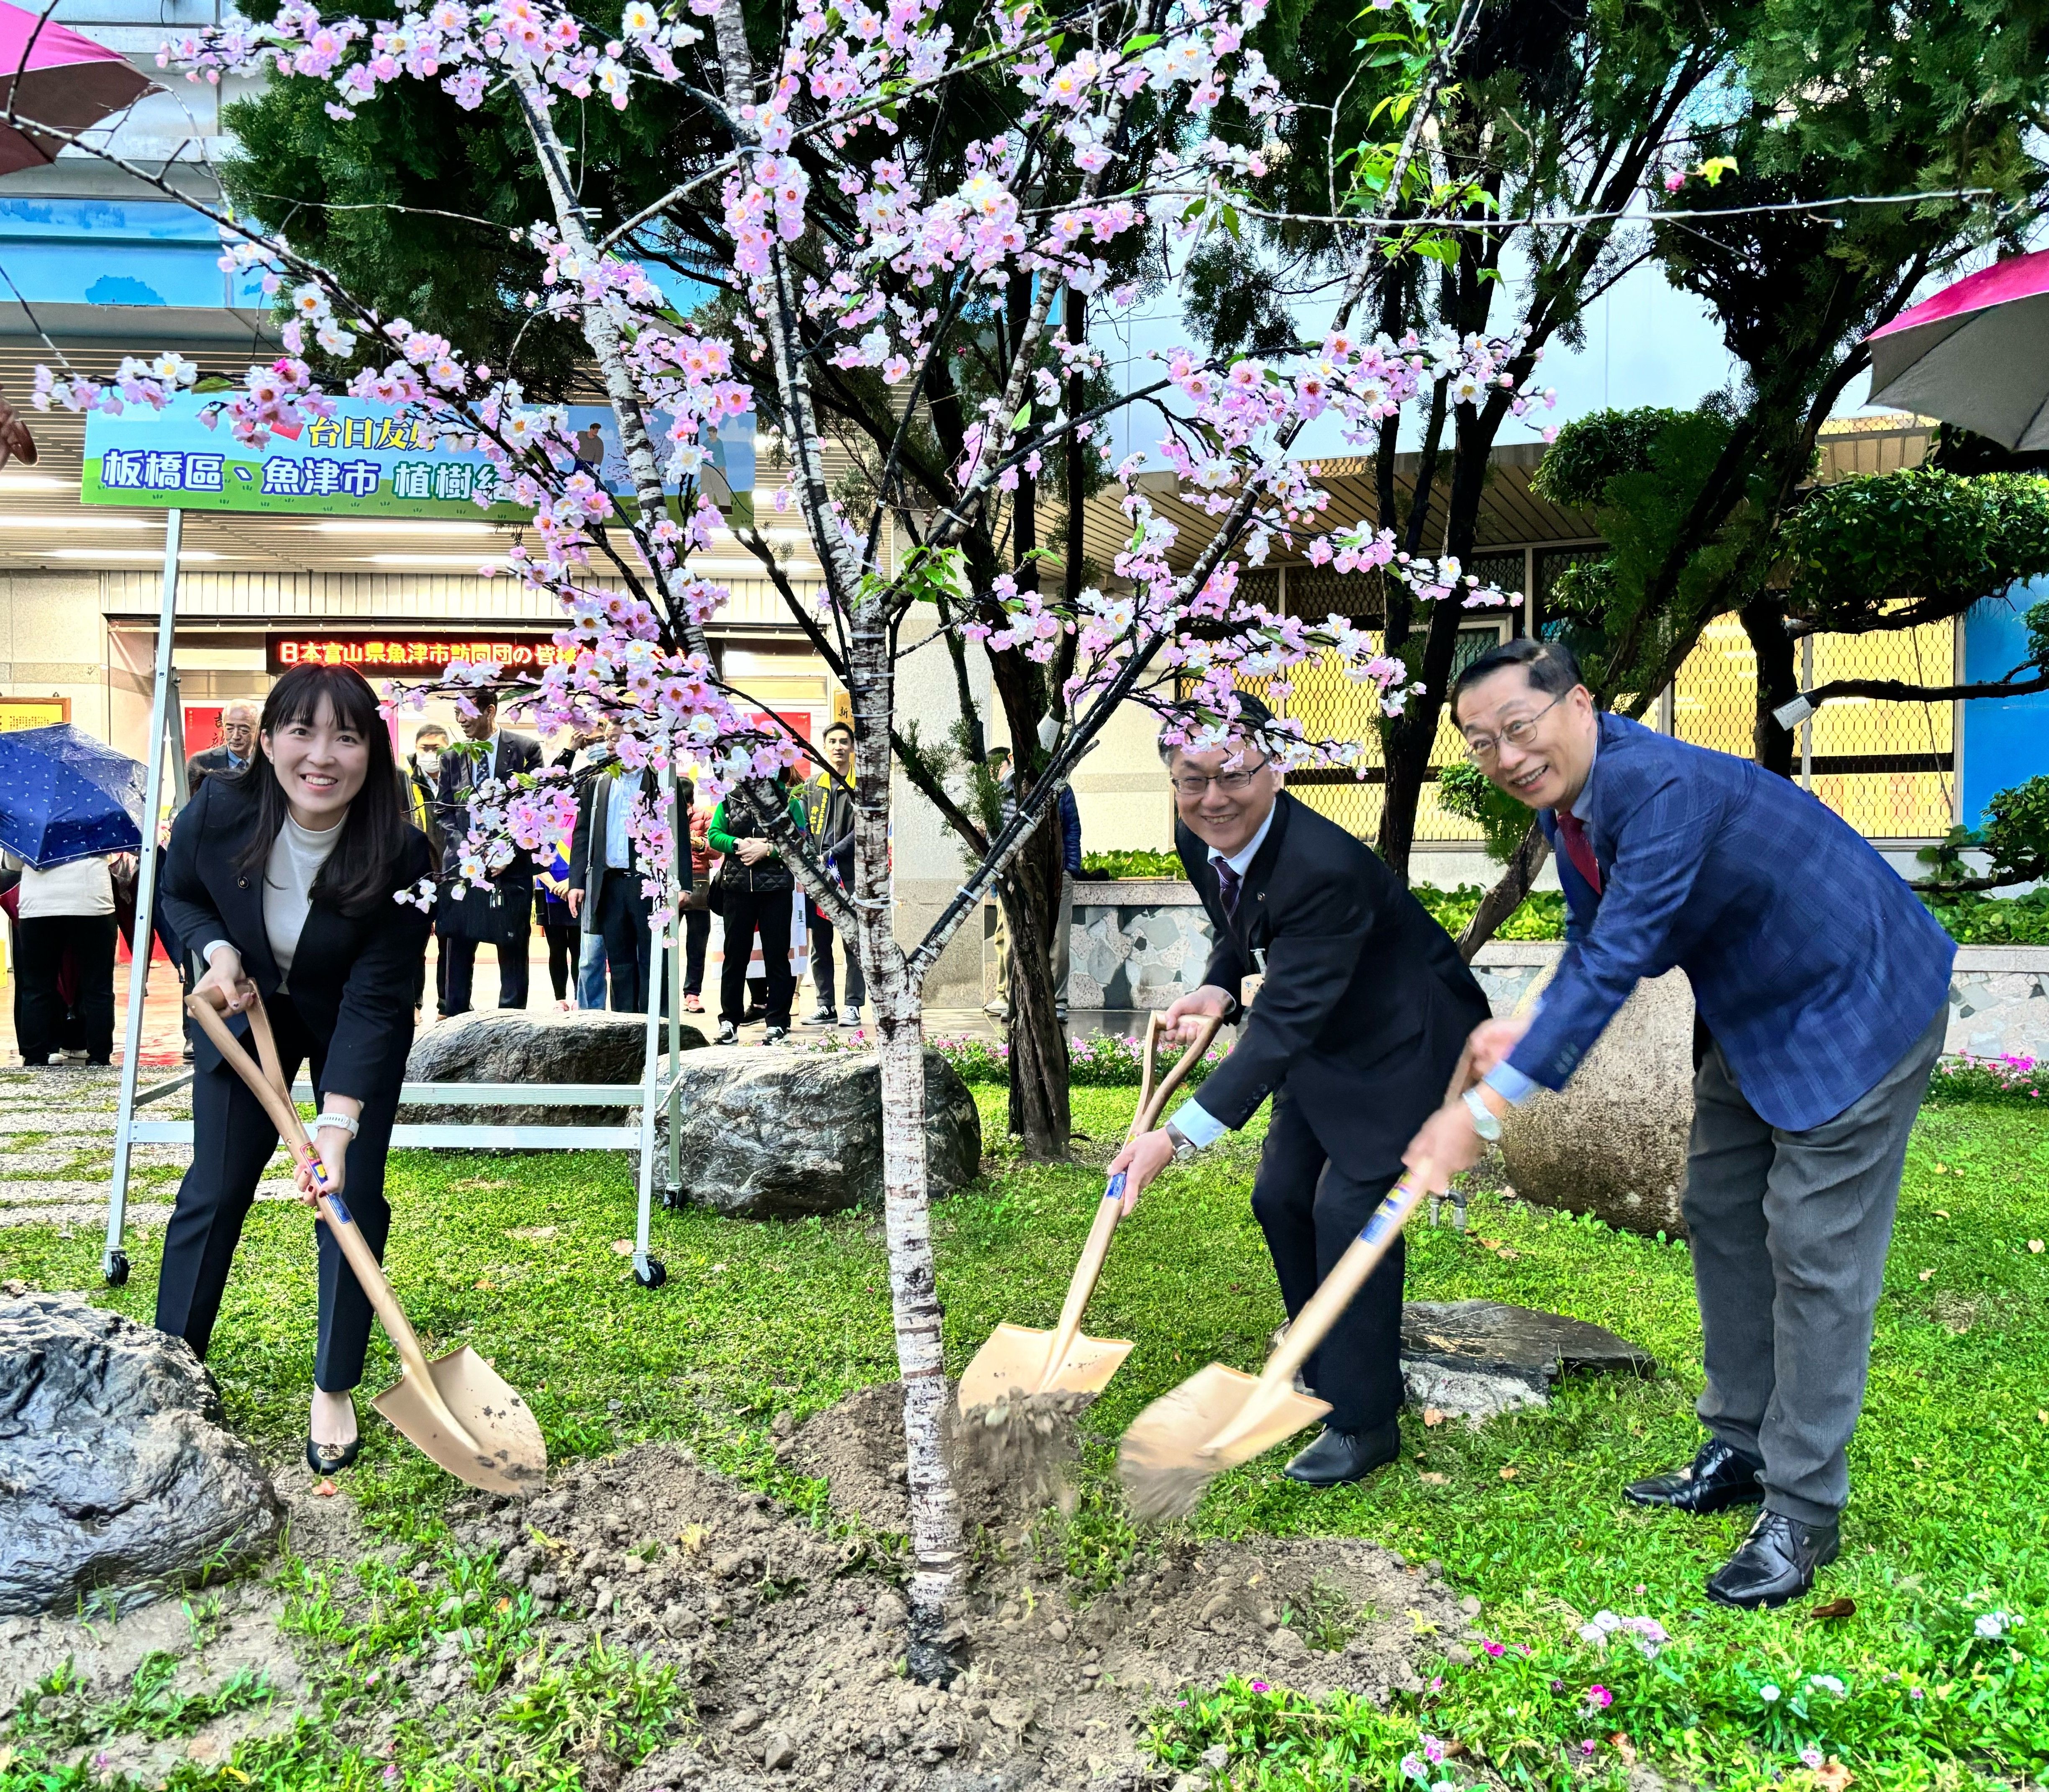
(517, 1256)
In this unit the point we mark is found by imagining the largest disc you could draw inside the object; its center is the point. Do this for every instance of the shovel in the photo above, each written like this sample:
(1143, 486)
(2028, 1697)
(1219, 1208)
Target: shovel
(1018, 1360)
(1220, 1417)
(456, 1409)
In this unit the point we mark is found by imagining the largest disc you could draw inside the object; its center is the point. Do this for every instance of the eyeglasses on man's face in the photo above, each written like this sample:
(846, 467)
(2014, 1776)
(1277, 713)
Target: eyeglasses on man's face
(1517, 733)
(1232, 784)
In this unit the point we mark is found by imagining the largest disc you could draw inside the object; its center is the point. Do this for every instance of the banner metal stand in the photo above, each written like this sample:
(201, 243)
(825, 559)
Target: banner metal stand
(656, 1093)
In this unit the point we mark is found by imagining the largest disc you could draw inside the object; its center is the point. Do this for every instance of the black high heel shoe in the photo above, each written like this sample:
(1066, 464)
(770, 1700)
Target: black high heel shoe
(331, 1459)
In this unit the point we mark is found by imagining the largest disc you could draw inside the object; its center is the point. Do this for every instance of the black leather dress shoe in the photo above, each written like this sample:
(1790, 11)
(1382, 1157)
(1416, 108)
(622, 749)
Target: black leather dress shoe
(1716, 1479)
(1339, 1456)
(331, 1459)
(1775, 1563)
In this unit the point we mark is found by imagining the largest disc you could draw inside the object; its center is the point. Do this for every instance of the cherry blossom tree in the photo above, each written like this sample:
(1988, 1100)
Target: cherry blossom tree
(844, 244)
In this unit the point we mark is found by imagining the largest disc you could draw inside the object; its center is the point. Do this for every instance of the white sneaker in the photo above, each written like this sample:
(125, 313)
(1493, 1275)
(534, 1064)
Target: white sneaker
(774, 1035)
(726, 1034)
(849, 1016)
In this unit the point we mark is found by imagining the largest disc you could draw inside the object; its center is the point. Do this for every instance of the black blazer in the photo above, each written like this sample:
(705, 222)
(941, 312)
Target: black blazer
(211, 763)
(458, 773)
(353, 976)
(595, 793)
(1357, 975)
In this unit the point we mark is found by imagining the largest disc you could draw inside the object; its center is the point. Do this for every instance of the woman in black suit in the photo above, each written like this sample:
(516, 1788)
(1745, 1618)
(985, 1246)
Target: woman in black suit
(282, 879)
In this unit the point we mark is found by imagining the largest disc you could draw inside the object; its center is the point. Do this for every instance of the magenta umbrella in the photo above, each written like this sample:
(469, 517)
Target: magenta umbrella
(1976, 354)
(50, 74)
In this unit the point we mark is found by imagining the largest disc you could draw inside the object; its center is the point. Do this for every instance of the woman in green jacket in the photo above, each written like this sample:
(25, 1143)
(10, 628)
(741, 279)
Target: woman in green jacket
(757, 885)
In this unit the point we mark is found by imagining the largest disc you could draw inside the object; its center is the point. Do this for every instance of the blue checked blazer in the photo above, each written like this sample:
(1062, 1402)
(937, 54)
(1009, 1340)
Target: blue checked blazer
(1814, 965)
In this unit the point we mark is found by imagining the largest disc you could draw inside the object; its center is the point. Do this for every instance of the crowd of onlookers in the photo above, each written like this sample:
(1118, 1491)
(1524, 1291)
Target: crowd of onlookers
(590, 899)
(587, 900)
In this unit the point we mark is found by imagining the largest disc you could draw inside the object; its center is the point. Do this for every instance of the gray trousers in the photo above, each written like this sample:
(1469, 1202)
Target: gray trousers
(1789, 1233)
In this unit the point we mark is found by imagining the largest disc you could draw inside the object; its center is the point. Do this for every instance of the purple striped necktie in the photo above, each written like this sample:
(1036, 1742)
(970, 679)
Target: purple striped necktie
(1228, 883)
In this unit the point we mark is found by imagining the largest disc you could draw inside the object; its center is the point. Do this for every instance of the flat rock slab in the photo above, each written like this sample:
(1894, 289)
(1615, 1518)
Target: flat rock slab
(117, 1471)
(768, 1132)
(1477, 1358)
(586, 1045)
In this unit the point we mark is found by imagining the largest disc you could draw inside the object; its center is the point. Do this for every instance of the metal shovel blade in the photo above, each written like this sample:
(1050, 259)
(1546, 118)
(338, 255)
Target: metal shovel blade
(508, 1457)
(1206, 1424)
(1017, 1361)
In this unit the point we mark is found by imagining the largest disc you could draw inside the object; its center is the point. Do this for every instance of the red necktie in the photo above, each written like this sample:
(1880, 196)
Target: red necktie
(1580, 849)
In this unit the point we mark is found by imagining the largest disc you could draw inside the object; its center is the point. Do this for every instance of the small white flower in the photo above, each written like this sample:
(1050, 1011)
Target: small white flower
(309, 300)
(1827, 1682)
(174, 367)
(1992, 1626)
(1768, 1693)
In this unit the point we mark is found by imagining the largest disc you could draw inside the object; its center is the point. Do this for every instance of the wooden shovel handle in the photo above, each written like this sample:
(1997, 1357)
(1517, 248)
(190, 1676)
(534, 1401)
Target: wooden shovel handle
(267, 1083)
(1151, 1103)
(1348, 1275)
(1151, 1108)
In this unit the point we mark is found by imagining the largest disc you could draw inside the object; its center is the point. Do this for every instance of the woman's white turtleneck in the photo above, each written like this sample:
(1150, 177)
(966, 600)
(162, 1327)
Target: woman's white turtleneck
(296, 857)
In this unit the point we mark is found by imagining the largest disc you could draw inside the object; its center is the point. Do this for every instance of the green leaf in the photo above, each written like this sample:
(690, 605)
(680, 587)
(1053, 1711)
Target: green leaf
(1023, 418)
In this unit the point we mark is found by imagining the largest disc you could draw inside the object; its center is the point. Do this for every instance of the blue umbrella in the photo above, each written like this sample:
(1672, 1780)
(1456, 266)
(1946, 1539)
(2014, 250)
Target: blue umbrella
(64, 795)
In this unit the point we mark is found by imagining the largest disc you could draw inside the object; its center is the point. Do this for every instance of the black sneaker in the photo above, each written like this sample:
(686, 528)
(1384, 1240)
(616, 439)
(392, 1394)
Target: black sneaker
(728, 1034)
(819, 1016)
(774, 1035)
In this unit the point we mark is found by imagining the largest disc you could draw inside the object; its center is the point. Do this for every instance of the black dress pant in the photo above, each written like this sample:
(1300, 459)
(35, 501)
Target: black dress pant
(745, 911)
(821, 965)
(1311, 1207)
(513, 911)
(41, 1011)
(697, 937)
(232, 1140)
(564, 941)
(622, 922)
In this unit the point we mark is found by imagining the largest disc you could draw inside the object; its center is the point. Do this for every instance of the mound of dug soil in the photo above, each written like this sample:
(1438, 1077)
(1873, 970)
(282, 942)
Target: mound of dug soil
(792, 1641)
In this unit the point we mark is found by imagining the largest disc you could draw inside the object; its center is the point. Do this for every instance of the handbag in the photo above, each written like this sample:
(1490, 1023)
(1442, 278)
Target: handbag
(715, 890)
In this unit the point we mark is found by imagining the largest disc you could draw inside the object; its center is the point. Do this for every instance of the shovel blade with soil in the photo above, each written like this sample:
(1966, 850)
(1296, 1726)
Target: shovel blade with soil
(1220, 1417)
(457, 1410)
(1018, 1361)
(493, 1442)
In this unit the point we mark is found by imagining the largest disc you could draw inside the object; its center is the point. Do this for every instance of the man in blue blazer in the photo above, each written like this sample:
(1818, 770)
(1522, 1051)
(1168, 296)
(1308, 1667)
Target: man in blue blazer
(1822, 985)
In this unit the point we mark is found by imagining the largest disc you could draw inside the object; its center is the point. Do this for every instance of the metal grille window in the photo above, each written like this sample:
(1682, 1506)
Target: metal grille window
(1331, 707)
(1888, 769)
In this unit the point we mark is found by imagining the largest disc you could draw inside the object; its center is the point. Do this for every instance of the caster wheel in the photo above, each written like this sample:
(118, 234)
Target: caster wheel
(650, 1275)
(116, 1269)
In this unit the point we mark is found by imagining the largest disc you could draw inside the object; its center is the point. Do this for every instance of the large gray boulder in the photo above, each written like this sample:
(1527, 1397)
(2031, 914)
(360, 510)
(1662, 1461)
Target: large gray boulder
(585, 1045)
(117, 1472)
(769, 1133)
(1613, 1141)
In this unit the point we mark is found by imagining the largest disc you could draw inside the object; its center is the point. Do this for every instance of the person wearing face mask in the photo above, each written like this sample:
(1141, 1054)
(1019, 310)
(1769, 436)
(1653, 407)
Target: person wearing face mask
(283, 880)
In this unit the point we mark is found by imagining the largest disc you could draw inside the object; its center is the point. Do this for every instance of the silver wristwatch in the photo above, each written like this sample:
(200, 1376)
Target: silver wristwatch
(1184, 1147)
(1483, 1118)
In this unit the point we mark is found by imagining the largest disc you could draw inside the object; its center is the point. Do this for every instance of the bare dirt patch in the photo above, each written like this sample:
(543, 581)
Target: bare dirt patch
(791, 1637)
(793, 1640)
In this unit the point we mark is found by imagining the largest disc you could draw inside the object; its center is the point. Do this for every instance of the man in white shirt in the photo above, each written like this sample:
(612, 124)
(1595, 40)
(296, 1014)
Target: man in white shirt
(66, 910)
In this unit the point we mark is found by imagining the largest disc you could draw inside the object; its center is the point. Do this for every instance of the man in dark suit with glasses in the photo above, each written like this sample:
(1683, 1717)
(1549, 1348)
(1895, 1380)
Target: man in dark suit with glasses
(1361, 1011)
